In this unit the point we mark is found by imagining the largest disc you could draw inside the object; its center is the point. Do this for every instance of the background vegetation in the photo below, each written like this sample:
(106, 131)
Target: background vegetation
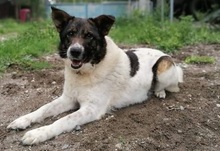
(39, 38)
(164, 35)
(32, 41)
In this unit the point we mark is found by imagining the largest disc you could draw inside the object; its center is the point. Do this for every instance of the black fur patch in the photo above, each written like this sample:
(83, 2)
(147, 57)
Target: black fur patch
(134, 63)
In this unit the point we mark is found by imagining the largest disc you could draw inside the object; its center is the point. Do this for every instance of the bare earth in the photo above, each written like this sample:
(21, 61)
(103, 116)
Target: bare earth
(184, 121)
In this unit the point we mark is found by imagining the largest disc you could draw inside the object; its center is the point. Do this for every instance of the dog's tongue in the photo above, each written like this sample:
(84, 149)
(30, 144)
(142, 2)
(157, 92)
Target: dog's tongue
(76, 64)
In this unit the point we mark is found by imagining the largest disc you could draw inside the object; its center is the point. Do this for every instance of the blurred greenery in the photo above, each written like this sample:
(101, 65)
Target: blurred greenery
(10, 25)
(168, 36)
(74, 1)
(35, 39)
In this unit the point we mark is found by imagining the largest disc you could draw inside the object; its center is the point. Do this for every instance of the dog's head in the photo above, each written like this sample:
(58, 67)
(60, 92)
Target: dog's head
(82, 40)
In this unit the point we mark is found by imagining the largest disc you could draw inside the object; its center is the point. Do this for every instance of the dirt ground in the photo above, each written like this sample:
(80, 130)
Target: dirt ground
(184, 121)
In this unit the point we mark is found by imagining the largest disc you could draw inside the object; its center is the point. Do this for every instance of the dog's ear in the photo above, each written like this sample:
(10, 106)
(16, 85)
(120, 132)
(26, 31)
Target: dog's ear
(104, 23)
(60, 18)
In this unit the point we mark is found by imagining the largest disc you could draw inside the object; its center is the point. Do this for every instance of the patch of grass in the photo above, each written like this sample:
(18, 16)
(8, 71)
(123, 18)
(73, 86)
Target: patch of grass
(122, 140)
(200, 60)
(37, 65)
(39, 38)
(167, 36)
(11, 26)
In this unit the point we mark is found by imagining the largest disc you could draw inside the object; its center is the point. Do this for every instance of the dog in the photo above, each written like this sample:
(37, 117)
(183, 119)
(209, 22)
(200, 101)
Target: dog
(99, 76)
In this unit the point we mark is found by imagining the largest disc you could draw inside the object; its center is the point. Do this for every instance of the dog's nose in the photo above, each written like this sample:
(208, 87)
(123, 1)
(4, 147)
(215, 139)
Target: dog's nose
(76, 52)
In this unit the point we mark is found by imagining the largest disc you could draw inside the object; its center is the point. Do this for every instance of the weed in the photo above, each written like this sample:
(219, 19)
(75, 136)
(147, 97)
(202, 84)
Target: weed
(122, 140)
(200, 60)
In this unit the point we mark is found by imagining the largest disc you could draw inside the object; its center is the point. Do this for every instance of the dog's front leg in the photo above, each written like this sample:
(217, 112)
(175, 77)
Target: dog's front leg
(59, 105)
(84, 115)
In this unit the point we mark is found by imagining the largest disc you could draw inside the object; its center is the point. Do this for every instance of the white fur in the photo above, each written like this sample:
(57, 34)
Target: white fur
(97, 89)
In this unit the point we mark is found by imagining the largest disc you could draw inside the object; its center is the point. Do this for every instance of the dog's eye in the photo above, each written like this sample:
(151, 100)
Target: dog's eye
(70, 33)
(89, 36)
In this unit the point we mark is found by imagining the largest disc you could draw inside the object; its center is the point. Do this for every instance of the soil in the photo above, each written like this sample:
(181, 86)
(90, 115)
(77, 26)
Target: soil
(184, 121)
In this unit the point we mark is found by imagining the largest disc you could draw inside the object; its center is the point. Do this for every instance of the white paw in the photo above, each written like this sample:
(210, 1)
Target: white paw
(36, 136)
(20, 123)
(161, 94)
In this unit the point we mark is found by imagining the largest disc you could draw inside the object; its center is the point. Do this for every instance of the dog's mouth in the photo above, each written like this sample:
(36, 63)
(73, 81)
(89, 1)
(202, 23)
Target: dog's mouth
(76, 64)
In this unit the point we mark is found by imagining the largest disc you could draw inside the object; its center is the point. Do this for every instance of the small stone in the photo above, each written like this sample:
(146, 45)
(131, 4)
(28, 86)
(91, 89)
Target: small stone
(198, 139)
(54, 82)
(65, 146)
(166, 119)
(182, 108)
(39, 89)
(109, 117)
(29, 148)
(77, 128)
(118, 146)
(179, 131)
(184, 65)
(218, 105)
(14, 73)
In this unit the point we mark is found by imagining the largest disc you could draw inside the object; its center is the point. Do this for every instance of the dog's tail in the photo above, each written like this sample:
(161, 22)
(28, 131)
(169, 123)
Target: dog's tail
(179, 73)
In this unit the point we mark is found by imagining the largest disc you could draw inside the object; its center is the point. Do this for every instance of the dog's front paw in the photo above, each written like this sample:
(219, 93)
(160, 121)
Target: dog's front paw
(36, 136)
(20, 123)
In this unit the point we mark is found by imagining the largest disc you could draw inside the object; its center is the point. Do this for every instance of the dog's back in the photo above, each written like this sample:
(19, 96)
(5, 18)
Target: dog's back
(146, 70)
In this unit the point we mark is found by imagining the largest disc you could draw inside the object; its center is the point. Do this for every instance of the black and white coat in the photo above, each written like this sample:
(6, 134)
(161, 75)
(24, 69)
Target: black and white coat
(118, 79)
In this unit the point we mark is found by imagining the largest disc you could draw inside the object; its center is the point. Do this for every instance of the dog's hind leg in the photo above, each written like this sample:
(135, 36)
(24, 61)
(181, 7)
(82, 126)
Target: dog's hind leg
(177, 77)
(53, 108)
(166, 76)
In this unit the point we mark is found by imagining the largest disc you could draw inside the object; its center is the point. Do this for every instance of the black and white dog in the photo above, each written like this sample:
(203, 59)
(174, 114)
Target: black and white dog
(98, 76)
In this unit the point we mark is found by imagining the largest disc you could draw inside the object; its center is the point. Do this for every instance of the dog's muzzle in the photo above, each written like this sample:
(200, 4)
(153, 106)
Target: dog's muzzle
(75, 54)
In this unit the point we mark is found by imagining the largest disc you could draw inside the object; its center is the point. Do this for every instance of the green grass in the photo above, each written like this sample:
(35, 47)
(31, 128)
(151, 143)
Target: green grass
(11, 26)
(200, 60)
(38, 39)
(164, 35)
